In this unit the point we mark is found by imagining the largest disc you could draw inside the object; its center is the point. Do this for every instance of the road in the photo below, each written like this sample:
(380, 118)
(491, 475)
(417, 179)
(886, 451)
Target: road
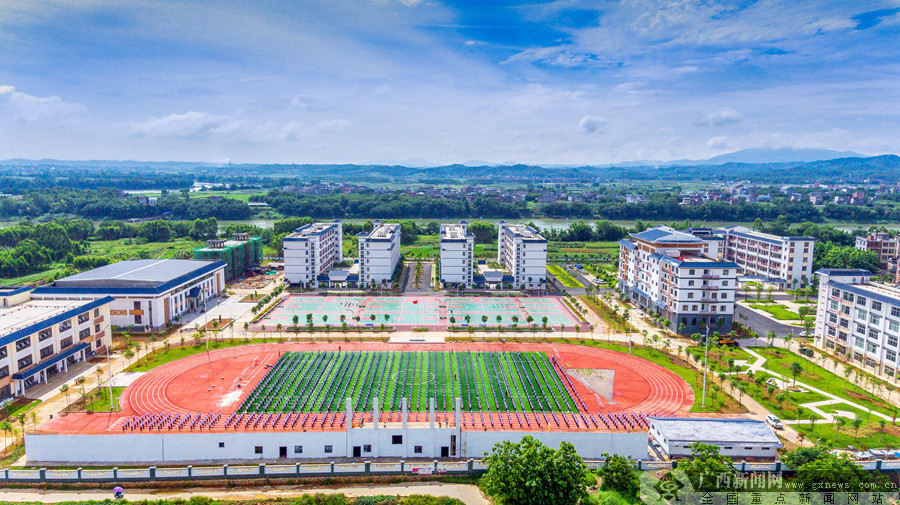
(761, 324)
(468, 493)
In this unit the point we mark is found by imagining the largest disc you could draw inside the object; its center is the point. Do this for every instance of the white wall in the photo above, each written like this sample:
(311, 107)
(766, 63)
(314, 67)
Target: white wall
(130, 447)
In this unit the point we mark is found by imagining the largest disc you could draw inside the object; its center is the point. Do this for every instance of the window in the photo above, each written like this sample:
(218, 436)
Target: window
(84, 333)
(257, 449)
(875, 319)
(890, 356)
(417, 449)
(66, 342)
(895, 311)
(367, 448)
(298, 449)
(329, 449)
(221, 445)
(25, 343)
(137, 319)
(724, 283)
(4, 371)
(861, 314)
(690, 295)
(396, 439)
(46, 351)
(691, 272)
(725, 272)
(137, 305)
(859, 342)
(45, 334)
(748, 448)
(3, 352)
(24, 362)
(892, 340)
(690, 283)
(861, 300)
(96, 312)
(876, 305)
(65, 325)
(893, 325)
(833, 305)
(83, 317)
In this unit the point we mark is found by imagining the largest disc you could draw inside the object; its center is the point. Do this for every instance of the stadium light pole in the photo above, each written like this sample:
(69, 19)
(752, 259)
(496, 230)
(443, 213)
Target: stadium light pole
(705, 369)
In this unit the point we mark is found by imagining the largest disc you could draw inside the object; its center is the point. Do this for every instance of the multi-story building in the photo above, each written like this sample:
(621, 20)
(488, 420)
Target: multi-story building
(858, 320)
(884, 245)
(41, 338)
(457, 254)
(241, 253)
(783, 260)
(149, 294)
(311, 251)
(379, 253)
(523, 252)
(665, 272)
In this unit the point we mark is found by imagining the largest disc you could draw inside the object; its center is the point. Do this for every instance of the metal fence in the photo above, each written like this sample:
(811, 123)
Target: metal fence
(469, 467)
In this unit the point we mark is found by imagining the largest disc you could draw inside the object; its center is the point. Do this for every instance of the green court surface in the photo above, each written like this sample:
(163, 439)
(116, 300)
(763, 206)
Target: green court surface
(485, 381)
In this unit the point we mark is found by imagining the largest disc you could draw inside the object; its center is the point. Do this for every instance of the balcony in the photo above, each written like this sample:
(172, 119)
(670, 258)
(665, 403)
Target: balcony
(709, 276)
(709, 287)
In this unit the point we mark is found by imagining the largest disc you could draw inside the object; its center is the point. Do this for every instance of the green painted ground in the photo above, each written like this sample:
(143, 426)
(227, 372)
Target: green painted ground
(486, 381)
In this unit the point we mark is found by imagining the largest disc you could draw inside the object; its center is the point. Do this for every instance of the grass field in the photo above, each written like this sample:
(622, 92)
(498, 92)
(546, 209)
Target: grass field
(564, 277)
(486, 381)
(125, 249)
(779, 312)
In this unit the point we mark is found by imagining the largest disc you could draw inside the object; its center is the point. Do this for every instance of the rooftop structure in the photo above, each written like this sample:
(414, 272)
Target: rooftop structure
(133, 275)
(736, 438)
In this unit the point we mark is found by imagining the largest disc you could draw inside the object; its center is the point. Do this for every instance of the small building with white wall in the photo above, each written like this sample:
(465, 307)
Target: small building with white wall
(149, 294)
(457, 255)
(311, 251)
(40, 338)
(379, 253)
(523, 252)
(735, 438)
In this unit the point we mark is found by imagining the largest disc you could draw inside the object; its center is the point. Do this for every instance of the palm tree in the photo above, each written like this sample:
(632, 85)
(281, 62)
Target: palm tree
(856, 423)
(7, 429)
(770, 337)
(80, 382)
(21, 419)
(796, 369)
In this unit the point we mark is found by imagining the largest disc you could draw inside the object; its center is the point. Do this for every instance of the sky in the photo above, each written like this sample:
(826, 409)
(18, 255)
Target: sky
(439, 82)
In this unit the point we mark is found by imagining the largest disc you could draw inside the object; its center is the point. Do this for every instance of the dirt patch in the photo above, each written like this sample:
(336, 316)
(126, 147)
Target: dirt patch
(598, 380)
(255, 282)
(217, 324)
(860, 396)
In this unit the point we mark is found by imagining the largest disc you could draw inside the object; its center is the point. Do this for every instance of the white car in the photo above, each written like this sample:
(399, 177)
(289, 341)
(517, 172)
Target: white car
(774, 422)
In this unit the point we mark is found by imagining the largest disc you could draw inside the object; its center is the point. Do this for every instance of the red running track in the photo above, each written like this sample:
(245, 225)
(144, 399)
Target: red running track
(221, 380)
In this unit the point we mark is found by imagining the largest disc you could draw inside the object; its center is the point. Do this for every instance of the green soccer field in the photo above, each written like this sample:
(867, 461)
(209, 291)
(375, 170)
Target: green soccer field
(486, 381)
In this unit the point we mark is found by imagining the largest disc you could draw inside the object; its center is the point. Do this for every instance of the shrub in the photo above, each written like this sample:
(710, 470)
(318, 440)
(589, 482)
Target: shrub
(322, 499)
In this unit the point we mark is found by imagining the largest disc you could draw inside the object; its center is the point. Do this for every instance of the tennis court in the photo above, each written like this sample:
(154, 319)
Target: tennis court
(407, 311)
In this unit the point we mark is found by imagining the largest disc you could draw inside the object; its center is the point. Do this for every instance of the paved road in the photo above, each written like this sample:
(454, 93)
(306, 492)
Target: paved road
(762, 324)
(469, 494)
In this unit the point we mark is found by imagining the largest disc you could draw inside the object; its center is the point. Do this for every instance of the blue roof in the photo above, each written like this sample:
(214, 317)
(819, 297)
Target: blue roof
(759, 236)
(46, 323)
(14, 290)
(210, 266)
(699, 264)
(56, 358)
(844, 271)
(860, 289)
(660, 234)
(628, 244)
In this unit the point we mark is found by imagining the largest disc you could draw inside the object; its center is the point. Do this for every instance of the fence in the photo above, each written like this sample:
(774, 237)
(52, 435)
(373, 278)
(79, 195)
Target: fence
(332, 469)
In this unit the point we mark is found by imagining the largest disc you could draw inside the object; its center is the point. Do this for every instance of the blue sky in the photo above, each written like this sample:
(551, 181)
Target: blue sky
(387, 81)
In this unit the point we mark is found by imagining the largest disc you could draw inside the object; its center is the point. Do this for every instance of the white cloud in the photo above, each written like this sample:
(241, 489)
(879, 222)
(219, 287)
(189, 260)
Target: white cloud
(24, 107)
(720, 118)
(591, 124)
(719, 142)
(189, 124)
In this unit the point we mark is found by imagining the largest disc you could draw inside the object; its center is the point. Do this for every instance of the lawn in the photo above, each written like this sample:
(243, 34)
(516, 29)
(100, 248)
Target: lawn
(564, 277)
(720, 355)
(177, 351)
(132, 248)
(720, 402)
(779, 312)
(869, 436)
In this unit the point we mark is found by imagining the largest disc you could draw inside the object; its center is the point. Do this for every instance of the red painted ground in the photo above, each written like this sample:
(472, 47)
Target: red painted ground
(221, 380)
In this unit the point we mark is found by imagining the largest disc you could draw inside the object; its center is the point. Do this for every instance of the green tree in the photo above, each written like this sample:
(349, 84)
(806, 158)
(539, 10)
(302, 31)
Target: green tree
(796, 369)
(705, 466)
(527, 472)
(828, 471)
(803, 455)
(619, 475)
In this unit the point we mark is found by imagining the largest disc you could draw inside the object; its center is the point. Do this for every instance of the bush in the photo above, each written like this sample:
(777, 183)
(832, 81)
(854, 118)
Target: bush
(322, 499)
(377, 500)
(200, 500)
(419, 499)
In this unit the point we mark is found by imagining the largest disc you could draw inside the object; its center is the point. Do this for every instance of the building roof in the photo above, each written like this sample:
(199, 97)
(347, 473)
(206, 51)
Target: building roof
(845, 272)
(628, 244)
(28, 318)
(697, 262)
(664, 234)
(745, 232)
(228, 244)
(714, 430)
(133, 277)
(455, 232)
(13, 290)
(382, 232)
(522, 231)
(880, 292)
(311, 230)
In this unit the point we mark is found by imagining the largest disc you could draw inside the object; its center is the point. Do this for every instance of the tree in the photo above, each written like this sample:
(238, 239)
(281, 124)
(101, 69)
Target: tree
(706, 466)
(7, 429)
(829, 472)
(80, 382)
(527, 472)
(796, 369)
(856, 423)
(295, 320)
(770, 337)
(452, 321)
(619, 474)
(64, 389)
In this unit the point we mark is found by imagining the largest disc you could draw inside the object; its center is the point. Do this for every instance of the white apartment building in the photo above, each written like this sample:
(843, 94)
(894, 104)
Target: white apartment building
(311, 251)
(885, 246)
(777, 259)
(379, 253)
(40, 338)
(457, 253)
(665, 272)
(522, 251)
(858, 320)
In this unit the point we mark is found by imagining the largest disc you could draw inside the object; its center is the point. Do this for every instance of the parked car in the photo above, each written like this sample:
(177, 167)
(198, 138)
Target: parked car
(774, 422)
